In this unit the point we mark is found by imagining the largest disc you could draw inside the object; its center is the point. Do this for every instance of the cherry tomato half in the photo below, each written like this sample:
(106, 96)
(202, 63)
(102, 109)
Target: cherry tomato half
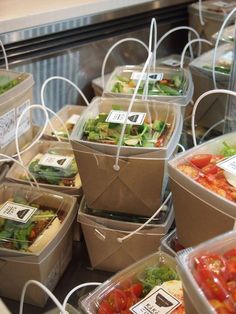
(105, 308)
(117, 300)
(137, 289)
(214, 263)
(210, 169)
(201, 160)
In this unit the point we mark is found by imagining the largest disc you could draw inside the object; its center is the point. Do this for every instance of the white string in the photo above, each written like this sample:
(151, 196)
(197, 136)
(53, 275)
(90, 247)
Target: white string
(77, 288)
(147, 222)
(215, 91)
(190, 47)
(5, 55)
(153, 41)
(217, 43)
(113, 47)
(116, 167)
(7, 158)
(177, 29)
(181, 146)
(200, 12)
(211, 128)
(46, 290)
(186, 47)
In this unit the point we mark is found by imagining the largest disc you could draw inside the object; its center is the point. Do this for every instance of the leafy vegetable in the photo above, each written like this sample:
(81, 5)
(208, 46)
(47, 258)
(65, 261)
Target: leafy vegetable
(228, 151)
(6, 83)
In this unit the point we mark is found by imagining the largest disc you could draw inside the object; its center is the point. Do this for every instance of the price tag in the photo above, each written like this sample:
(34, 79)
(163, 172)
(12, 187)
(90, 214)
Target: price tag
(151, 76)
(73, 119)
(171, 62)
(16, 212)
(222, 4)
(228, 164)
(118, 116)
(56, 161)
(159, 302)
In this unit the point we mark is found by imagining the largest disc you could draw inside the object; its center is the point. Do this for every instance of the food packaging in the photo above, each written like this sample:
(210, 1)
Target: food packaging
(63, 177)
(69, 114)
(206, 213)
(101, 234)
(220, 250)
(227, 36)
(16, 94)
(213, 14)
(170, 244)
(138, 186)
(134, 281)
(36, 239)
(165, 84)
(212, 108)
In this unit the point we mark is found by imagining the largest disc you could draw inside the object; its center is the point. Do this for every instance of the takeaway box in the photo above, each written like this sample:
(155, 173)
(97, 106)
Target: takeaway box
(137, 185)
(203, 191)
(35, 239)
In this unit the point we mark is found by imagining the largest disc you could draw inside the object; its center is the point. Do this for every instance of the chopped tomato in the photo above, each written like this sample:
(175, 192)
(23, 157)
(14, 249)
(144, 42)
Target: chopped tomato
(210, 169)
(230, 253)
(215, 263)
(131, 299)
(201, 160)
(231, 262)
(105, 308)
(216, 158)
(137, 289)
(225, 307)
(117, 300)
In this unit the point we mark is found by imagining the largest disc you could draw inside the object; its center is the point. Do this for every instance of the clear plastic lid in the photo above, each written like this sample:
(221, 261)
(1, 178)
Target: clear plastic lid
(227, 35)
(151, 125)
(214, 8)
(165, 84)
(208, 273)
(135, 283)
(29, 218)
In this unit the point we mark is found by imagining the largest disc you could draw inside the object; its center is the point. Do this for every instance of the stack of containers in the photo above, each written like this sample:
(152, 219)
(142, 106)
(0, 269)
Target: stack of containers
(213, 14)
(208, 275)
(136, 189)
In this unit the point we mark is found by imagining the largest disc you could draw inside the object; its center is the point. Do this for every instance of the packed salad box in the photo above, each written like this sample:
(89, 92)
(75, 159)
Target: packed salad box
(35, 239)
(16, 94)
(198, 178)
(138, 186)
(150, 283)
(227, 36)
(208, 275)
(102, 231)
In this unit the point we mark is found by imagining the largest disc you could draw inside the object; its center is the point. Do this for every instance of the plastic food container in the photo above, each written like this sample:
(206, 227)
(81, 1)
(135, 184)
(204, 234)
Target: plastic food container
(16, 94)
(52, 164)
(165, 84)
(206, 189)
(138, 187)
(101, 235)
(170, 244)
(213, 14)
(35, 239)
(227, 35)
(220, 252)
(69, 115)
(135, 282)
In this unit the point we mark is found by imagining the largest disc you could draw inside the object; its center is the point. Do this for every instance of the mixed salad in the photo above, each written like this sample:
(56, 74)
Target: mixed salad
(165, 87)
(149, 134)
(223, 64)
(68, 177)
(6, 83)
(20, 236)
(216, 276)
(203, 169)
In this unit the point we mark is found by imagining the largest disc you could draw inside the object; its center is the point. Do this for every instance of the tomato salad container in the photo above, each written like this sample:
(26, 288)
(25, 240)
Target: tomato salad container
(208, 275)
(144, 283)
(204, 197)
(134, 180)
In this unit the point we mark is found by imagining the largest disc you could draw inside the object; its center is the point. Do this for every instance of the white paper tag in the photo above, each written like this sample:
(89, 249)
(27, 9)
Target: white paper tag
(56, 161)
(222, 4)
(25, 121)
(159, 302)
(16, 212)
(7, 128)
(73, 119)
(171, 62)
(152, 76)
(228, 164)
(118, 116)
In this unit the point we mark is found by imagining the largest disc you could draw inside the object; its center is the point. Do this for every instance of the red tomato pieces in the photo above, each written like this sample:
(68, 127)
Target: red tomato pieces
(201, 160)
(214, 263)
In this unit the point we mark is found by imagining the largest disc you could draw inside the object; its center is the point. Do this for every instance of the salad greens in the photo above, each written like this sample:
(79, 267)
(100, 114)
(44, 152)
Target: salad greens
(164, 87)
(219, 68)
(6, 83)
(228, 150)
(147, 135)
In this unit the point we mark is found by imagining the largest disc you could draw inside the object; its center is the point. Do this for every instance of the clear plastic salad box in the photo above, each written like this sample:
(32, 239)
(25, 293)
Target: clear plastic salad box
(208, 274)
(59, 173)
(16, 94)
(134, 284)
(203, 197)
(165, 84)
(227, 36)
(138, 187)
(69, 115)
(213, 13)
(101, 234)
(35, 239)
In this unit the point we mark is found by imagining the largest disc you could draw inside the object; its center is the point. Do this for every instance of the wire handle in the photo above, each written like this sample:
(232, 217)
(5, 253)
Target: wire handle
(217, 43)
(153, 40)
(200, 12)
(214, 91)
(111, 49)
(147, 222)
(5, 55)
